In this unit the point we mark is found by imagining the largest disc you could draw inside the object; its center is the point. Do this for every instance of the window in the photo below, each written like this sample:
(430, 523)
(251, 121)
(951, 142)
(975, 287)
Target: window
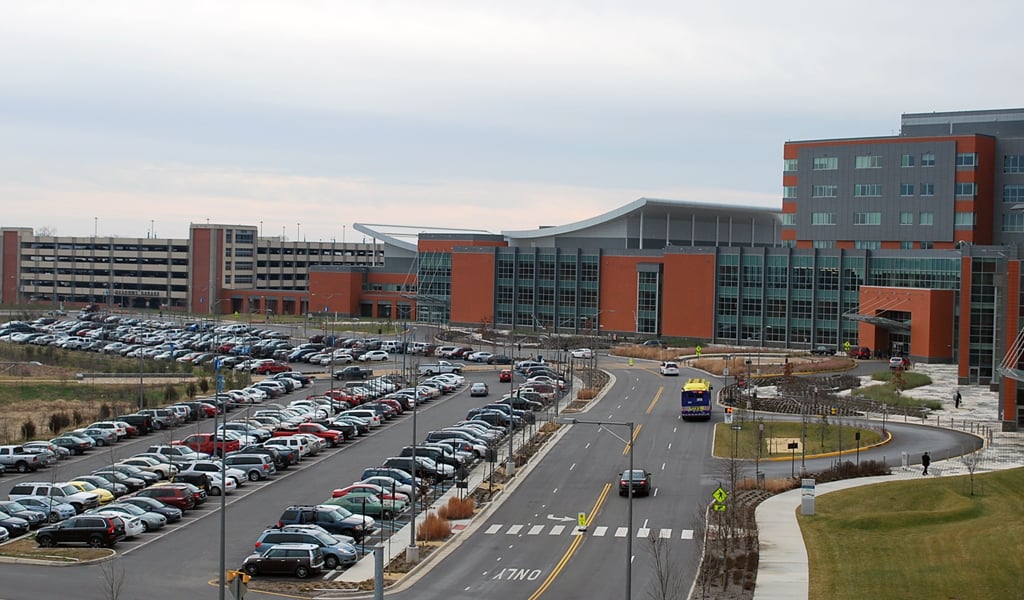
(867, 244)
(907, 160)
(965, 189)
(826, 163)
(928, 159)
(824, 244)
(823, 218)
(966, 160)
(789, 219)
(906, 189)
(1013, 193)
(906, 245)
(825, 191)
(867, 190)
(927, 189)
(868, 162)
(789, 191)
(789, 165)
(1013, 163)
(1013, 223)
(927, 218)
(963, 218)
(867, 218)
(927, 245)
(906, 218)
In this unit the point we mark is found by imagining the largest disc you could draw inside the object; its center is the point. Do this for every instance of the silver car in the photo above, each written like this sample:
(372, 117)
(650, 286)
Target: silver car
(150, 520)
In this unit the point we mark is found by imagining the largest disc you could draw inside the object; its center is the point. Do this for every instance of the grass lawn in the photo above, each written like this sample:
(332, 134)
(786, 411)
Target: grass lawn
(928, 538)
(821, 436)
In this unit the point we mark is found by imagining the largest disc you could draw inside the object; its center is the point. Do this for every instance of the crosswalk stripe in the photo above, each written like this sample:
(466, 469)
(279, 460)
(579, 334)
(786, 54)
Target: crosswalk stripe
(599, 531)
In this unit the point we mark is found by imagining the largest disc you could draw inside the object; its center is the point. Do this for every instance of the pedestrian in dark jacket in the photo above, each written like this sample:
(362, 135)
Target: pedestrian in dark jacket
(925, 461)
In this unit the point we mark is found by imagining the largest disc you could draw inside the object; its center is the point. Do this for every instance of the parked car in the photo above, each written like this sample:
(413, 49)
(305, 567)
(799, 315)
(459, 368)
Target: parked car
(374, 355)
(178, 495)
(77, 444)
(333, 519)
(257, 467)
(301, 560)
(337, 552)
(55, 510)
(150, 520)
(91, 530)
(899, 362)
(34, 517)
(171, 513)
(61, 491)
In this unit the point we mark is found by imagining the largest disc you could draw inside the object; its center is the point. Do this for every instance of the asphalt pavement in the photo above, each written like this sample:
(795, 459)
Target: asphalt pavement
(782, 572)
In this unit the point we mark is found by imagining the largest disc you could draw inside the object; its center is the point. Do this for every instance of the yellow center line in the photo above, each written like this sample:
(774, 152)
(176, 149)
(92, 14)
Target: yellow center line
(572, 547)
(636, 432)
(657, 395)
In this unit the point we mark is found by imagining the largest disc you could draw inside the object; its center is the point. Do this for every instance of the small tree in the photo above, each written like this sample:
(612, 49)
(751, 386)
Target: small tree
(204, 385)
(171, 394)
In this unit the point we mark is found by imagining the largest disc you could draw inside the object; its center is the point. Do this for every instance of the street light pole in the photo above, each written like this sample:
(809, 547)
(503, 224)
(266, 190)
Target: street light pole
(629, 487)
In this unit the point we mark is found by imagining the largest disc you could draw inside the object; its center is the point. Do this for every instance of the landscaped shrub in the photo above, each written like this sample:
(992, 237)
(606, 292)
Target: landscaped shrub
(105, 412)
(59, 422)
(171, 394)
(457, 508)
(433, 527)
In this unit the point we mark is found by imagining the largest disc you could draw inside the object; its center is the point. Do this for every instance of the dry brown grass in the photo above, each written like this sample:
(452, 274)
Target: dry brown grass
(433, 527)
(587, 394)
(774, 486)
(457, 508)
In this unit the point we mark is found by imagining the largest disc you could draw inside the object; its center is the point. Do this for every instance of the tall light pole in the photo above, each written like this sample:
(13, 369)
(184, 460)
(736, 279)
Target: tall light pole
(629, 487)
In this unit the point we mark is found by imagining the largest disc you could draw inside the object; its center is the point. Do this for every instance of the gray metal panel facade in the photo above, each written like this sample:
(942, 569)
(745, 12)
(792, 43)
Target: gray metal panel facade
(890, 204)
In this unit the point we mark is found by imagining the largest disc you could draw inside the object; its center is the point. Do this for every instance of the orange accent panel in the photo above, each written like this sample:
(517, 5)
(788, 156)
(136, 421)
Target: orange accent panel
(931, 311)
(689, 295)
(473, 287)
(617, 300)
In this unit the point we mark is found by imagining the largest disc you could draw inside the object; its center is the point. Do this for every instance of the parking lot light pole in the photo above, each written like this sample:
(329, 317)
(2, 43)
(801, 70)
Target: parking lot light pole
(412, 554)
(629, 486)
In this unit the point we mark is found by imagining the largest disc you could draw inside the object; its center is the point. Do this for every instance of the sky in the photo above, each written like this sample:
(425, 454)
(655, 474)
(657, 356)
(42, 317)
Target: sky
(136, 118)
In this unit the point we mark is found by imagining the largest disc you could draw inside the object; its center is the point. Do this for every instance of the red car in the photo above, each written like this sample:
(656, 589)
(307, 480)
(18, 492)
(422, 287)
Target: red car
(177, 495)
(268, 368)
(505, 376)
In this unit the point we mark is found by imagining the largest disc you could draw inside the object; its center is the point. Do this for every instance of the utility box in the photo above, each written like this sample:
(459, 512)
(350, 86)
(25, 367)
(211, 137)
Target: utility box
(807, 497)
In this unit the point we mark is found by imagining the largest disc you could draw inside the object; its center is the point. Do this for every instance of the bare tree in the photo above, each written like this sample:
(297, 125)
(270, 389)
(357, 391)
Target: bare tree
(113, 579)
(971, 460)
(667, 583)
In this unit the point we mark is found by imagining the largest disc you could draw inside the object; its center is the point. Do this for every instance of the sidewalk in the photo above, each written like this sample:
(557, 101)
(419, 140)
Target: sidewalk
(782, 569)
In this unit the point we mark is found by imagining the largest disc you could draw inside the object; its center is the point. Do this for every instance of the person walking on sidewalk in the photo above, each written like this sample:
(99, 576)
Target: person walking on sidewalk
(925, 461)
(957, 398)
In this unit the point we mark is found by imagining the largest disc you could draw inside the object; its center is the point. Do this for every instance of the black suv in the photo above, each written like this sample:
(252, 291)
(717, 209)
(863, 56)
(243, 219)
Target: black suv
(334, 519)
(144, 423)
(641, 481)
(301, 560)
(91, 530)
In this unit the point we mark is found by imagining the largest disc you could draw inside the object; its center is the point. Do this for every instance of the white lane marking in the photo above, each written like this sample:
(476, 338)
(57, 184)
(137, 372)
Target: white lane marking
(665, 534)
(513, 530)
(600, 531)
(535, 530)
(620, 532)
(493, 529)
(643, 532)
(556, 530)
(687, 534)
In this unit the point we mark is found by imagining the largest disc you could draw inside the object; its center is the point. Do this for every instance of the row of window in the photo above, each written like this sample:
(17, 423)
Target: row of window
(964, 160)
(963, 189)
(964, 219)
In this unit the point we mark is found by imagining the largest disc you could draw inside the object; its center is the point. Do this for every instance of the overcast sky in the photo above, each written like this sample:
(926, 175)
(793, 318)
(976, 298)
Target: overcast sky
(309, 116)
